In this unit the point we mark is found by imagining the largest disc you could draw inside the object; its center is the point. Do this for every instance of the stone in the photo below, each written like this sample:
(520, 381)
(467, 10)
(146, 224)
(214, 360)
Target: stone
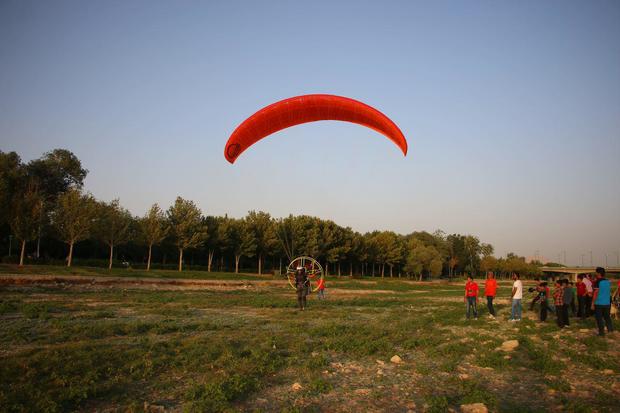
(507, 357)
(584, 330)
(362, 392)
(379, 372)
(463, 376)
(380, 362)
(296, 387)
(396, 359)
(608, 372)
(509, 345)
(474, 408)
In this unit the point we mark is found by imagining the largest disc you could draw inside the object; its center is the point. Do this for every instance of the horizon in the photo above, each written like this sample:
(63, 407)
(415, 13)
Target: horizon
(511, 111)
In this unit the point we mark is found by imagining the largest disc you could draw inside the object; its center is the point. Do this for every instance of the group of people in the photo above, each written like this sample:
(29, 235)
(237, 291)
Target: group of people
(593, 296)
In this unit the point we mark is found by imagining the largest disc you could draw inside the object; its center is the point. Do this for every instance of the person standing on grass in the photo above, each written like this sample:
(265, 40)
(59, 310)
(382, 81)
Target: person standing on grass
(573, 302)
(588, 297)
(581, 297)
(517, 296)
(321, 289)
(558, 300)
(490, 290)
(537, 296)
(301, 285)
(543, 293)
(471, 296)
(601, 302)
(568, 301)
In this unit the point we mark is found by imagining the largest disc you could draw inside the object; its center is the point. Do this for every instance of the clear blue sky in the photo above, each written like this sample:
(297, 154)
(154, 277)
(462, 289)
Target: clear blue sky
(511, 110)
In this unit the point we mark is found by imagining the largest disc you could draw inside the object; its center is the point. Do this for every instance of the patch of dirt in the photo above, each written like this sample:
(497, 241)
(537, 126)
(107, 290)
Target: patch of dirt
(141, 283)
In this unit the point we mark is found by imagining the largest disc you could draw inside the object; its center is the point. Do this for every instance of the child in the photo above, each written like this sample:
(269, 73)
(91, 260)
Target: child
(471, 296)
(543, 294)
(573, 304)
(558, 299)
(568, 300)
(321, 288)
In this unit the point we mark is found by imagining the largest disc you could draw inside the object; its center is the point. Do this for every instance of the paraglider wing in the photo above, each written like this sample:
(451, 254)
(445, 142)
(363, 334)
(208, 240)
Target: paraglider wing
(309, 108)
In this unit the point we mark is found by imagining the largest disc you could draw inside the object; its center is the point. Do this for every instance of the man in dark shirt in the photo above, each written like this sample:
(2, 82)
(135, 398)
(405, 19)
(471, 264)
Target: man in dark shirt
(301, 285)
(568, 301)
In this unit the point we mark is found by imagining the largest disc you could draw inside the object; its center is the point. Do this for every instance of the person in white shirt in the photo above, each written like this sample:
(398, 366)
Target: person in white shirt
(517, 295)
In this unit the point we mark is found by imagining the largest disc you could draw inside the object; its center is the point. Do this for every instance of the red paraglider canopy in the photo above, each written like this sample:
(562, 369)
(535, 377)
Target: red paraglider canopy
(309, 108)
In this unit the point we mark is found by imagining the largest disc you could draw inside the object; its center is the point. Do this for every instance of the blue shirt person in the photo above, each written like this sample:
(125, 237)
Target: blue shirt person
(601, 302)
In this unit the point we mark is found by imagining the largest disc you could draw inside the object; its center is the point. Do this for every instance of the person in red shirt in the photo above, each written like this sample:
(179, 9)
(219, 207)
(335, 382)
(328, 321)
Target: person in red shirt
(321, 289)
(471, 296)
(490, 290)
(581, 297)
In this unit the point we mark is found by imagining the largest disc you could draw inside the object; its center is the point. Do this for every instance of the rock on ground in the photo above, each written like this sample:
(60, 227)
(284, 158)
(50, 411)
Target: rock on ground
(509, 345)
(296, 387)
(396, 359)
(474, 408)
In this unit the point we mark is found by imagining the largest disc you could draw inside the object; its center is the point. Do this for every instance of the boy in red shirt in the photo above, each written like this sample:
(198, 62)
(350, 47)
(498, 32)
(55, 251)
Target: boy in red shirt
(321, 288)
(490, 290)
(581, 297)
(471, 296)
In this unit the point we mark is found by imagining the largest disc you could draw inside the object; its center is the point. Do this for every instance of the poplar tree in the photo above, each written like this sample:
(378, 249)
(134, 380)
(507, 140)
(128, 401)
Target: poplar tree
(262, 227)
(73, 218)
(154, 229)
(113, 226)
(186, 226)
(26, 211)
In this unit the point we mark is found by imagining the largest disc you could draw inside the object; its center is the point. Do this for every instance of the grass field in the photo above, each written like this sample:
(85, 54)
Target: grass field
(66, 347)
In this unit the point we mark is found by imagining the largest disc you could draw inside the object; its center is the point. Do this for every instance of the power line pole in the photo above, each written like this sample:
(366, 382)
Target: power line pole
(582, 256)
(591, 258)
(606, 260)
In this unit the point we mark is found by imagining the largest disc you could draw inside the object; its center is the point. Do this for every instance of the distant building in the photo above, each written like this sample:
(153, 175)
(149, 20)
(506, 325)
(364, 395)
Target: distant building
(538, 258)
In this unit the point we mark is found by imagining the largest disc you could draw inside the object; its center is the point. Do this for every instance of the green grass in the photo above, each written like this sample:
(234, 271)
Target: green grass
(85, 348)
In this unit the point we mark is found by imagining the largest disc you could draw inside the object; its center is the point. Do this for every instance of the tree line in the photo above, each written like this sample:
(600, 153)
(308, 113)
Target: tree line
(44, 199)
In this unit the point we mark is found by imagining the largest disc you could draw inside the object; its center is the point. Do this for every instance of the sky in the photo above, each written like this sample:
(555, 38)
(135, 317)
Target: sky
(511, 111)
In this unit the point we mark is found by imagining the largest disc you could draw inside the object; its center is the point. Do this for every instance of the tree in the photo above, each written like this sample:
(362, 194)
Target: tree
(55, 173)
(73, 218)
(113, 226)
(26, 213)
(239, 240)
(488, 263)
(422, 258)
(186, 226)
(388, 248)
(153, 228)
(11, 176)
(213, 241)
(359, 251)
(261, 226)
